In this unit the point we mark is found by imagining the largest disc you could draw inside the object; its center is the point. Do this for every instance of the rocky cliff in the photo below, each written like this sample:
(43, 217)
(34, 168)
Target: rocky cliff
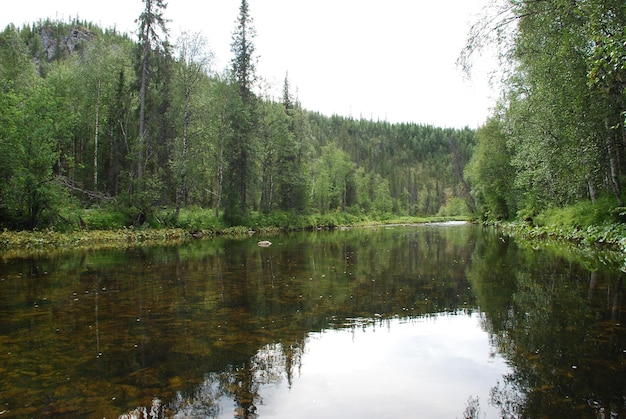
(55, 46)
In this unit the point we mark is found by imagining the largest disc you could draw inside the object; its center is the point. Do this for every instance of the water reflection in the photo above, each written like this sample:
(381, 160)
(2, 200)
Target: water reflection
(409, 368)
(426, 367)
(432, 321)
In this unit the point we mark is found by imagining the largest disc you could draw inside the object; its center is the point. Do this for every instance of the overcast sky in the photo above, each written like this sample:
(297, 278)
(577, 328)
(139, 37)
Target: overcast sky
(388, 60)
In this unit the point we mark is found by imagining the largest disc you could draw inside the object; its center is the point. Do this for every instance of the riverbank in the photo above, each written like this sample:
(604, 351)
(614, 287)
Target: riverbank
(585, 224)
(41, 241)
(611, 236)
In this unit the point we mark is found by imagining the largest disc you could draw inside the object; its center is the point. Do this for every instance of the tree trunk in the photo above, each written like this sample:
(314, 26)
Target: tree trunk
(95, 150)
(182, 187)
(458, 171)
(220, 179)
(614, 163)
(142, 117)
(593, 191)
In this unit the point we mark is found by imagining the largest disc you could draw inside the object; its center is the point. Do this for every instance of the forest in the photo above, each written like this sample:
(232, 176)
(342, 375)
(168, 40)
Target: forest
(99, 130)
(95, 121)
(556, 139)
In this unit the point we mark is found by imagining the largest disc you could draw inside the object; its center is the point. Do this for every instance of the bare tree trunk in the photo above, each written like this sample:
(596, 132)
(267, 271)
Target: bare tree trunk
(182, 188)
(614, 164)
(593, 191)
(271, 191)
(220, 179)
(95, 150)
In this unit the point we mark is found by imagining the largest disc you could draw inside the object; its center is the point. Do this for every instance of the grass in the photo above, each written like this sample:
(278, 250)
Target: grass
(112, 228)
(581, 215)
(585, 223)
(599, 223)
(13, 242)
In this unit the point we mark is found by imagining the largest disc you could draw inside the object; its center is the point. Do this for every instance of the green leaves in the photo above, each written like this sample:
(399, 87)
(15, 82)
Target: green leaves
(168, 132)
(564, 102)
(30, 131)
(491, 173)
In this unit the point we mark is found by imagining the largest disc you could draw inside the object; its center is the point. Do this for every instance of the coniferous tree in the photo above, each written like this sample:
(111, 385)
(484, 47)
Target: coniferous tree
(291, 182)
(287, 99)
(116, 136)
(151, 23)
(153, 68)
(239, 151)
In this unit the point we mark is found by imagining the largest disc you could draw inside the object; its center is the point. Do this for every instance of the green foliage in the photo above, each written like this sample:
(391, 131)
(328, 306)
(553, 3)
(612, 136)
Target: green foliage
(17, 71)
(33, 129)
(34, 241)
(491, 174)
(240, 148)
(105, 218)
(244, 62)
(189, 138)
(456, 207)
(198, 219)
(238, 157)
(564, 101)
(589, 223)
(580, 215)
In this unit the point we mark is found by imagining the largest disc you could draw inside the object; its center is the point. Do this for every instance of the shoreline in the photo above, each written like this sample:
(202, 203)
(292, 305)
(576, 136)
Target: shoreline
(50, 241)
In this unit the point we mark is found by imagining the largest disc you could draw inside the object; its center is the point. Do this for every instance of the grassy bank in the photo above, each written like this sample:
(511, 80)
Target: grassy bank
(95, 229)
(588, 224)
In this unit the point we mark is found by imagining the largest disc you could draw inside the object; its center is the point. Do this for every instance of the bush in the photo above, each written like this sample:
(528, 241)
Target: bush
(195, 218)
(455, 206)
(104, 218)
(580, 215)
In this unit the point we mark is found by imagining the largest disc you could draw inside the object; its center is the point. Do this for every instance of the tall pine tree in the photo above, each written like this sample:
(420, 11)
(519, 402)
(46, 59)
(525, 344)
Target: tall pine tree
(153, 56)
(151, 25)
(240, 148)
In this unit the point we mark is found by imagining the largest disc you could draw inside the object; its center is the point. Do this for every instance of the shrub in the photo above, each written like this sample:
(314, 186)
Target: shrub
(106, 218)
(195, 218)
(580, 215)
(454, 206)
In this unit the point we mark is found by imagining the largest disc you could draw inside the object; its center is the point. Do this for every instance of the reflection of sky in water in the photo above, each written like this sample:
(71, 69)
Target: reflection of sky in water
(427, 367)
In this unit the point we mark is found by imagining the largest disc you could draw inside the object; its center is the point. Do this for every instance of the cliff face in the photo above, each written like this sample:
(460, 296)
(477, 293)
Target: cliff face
(55, 46)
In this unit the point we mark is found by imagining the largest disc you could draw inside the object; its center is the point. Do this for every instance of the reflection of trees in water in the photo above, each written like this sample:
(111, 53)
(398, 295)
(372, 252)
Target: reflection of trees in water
(559, 326)
(240, 384)
(206, 325)
(282, 293)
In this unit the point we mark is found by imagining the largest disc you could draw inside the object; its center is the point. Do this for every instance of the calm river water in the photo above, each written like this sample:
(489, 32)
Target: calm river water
(432, 321)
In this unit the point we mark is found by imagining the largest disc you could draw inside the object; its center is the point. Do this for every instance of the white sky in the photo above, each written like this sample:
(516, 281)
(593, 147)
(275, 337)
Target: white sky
(391, 60)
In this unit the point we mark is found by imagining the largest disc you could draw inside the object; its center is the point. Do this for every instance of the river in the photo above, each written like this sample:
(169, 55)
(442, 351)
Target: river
(445, 321)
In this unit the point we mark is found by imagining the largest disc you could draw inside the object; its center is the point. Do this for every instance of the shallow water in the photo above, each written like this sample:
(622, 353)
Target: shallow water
(402, 321)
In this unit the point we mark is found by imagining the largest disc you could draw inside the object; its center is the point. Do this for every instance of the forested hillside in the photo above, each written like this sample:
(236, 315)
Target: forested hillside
(94, 119)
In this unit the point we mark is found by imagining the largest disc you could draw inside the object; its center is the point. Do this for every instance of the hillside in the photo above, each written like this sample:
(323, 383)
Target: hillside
(73, 98)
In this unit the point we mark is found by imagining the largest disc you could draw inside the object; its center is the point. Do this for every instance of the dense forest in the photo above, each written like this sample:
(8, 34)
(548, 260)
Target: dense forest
(557, 137)
(94, 120)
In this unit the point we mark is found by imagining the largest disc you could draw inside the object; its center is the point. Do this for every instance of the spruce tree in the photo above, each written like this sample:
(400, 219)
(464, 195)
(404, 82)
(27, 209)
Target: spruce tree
(243, 120)
(153, 66)
(150, 22)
